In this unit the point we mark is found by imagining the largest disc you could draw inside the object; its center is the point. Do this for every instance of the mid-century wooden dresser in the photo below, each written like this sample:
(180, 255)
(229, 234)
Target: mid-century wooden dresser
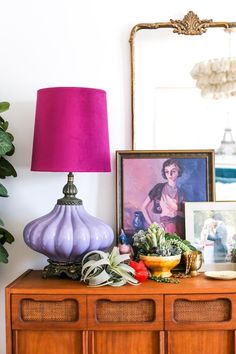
(63, 316)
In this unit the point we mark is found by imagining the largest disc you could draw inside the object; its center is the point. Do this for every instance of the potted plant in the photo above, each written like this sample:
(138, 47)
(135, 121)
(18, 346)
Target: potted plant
(6, 169)
(160, 251)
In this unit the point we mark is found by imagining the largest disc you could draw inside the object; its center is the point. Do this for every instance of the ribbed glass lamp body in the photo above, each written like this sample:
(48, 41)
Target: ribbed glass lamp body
(66, 233)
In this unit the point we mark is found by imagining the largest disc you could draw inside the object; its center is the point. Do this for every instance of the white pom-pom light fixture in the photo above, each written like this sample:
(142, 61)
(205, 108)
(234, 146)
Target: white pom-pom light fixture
(216, 78)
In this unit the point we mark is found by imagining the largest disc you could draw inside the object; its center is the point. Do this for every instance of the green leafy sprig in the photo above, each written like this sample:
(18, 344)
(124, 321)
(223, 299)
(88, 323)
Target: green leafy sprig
(7, 149)
(164, 280)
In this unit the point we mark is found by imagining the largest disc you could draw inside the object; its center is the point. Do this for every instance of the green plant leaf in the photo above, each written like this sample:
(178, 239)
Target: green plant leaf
(103, 284)
(94, 253)
(126, 276)
(116, 258)
(5, 143)
(102, 278)
(99, 263)
(3, 191)
(6, 168)
(127, 268)
(11, 137)
(4, 106)
(5, 236)
(3, 124)
(88, 264)
(3, 254)
(119, 283)
(1, 222)
(120, 258)
(11, 152)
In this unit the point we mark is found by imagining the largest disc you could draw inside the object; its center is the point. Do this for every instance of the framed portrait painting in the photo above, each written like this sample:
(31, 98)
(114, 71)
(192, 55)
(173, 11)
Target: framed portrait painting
(153, 186)
(211, 228)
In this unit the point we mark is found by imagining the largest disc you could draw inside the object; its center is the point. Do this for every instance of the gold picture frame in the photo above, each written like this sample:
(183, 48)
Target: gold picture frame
(139, 171)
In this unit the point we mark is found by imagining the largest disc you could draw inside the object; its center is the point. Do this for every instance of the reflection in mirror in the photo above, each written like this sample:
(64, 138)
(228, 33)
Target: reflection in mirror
(169, 111)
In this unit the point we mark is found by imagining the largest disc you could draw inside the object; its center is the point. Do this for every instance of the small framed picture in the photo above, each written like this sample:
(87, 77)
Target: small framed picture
(211, 228)
(152, 186)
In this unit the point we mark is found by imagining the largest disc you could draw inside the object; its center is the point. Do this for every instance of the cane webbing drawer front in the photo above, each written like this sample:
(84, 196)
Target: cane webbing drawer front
(203, 311)
(35, 311)
(125, 311)
(58, 311)
(119, 311)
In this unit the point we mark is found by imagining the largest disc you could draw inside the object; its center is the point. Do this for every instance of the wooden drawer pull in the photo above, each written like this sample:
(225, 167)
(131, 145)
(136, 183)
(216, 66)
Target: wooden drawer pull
(58, 311)
(125, 311)
(218, 310)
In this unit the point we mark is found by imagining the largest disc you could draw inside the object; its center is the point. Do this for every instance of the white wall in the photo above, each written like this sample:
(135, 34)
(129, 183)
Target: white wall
(72, 43)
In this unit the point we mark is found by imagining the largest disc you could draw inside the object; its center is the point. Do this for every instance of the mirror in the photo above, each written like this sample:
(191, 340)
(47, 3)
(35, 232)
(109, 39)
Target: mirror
(168, 110)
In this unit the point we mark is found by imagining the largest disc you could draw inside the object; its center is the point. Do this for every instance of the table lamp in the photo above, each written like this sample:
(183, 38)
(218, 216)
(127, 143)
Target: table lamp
(70, 135)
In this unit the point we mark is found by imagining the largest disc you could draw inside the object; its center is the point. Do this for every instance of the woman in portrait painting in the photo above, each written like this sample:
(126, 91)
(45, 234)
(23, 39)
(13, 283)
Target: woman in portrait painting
(167, 200)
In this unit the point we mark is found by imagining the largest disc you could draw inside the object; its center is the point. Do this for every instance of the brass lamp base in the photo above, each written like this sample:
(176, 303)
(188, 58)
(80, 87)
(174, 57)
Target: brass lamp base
(60, 269)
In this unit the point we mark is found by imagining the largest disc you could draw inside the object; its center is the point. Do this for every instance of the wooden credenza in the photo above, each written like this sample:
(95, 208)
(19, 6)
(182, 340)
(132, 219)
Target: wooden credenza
(62, 316)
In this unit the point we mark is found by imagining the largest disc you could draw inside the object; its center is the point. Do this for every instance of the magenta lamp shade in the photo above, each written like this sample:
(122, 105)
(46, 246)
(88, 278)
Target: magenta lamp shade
(71, 130)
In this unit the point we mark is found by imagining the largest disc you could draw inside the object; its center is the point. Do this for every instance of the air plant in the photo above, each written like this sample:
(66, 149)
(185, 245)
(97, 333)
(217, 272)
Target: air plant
(100, 268)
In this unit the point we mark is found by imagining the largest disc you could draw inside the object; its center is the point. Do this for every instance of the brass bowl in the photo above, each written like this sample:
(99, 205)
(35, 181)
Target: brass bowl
(161, 266)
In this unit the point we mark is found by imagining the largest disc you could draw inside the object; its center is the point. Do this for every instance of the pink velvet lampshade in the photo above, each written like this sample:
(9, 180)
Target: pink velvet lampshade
(71, 130)
(71, 135)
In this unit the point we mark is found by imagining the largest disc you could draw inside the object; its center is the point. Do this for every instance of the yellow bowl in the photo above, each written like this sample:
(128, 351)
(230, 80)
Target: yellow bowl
(161, 266)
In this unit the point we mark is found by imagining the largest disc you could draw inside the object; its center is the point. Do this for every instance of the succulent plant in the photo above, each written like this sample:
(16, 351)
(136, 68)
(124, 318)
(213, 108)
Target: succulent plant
(154, 241)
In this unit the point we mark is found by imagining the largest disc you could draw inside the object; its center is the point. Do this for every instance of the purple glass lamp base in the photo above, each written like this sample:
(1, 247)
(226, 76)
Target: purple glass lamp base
(60, 269)
(67, 233)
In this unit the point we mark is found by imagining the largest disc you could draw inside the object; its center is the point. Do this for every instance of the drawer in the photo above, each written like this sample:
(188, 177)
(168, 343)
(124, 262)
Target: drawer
(116, 312)
(199, 312)
(45, 311)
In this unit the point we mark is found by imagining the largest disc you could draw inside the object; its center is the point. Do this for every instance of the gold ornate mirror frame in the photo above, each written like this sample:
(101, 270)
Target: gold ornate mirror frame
(190, 25)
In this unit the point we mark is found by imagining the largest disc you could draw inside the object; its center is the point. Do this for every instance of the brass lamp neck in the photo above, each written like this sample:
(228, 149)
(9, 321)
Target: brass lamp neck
(69, 191)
